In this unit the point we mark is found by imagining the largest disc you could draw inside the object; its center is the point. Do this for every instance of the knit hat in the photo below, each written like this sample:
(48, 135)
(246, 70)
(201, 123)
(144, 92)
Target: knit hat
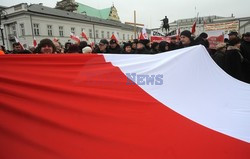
(104, 41)
(126, 44)
(113, 41)
(233, 33)
(247, 34)
(86, 49)
(203, 35)
(186, 33)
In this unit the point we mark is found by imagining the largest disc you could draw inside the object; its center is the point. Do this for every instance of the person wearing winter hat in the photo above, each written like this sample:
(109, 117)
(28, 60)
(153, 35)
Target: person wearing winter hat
(147, 44)
(220, 55)
(134, 44)
(174, 44)
(102, 47)
(155, 48)
(202, 40)
(127, 48)
(141, 49)
(233, 35)
(87, 50)
(234, 60)
(46, 46)
(186, 39)
(163, 46)
(245, 50)
(114, 47)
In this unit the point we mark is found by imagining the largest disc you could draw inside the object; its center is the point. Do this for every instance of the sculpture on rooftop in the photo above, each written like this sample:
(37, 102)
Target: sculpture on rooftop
(67, 5)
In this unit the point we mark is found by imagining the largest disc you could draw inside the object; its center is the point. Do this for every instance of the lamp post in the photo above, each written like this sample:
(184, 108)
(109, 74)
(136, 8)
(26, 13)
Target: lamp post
(1, 26)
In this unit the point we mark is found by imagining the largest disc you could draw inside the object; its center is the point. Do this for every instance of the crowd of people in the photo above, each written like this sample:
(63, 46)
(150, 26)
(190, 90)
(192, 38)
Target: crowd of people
(233, 56)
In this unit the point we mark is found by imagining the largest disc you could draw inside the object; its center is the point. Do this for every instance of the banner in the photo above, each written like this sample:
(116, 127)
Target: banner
(226, 26)
(177, 104)
(160, 38)
(214, 40)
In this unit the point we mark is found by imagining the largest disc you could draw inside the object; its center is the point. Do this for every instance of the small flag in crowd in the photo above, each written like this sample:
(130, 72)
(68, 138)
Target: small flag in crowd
(75, 38)
(114, 36)
(84, 35)
(34, 42)
(17, 41)
(193, 28)
(143, 34)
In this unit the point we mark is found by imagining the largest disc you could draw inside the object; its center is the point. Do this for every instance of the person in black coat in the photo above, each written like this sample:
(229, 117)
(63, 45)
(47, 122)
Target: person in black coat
(163, 46)
(245, 50)
(173, 45)
(114, 47)
(155, 48)
(127, 48)
(220, 55)
(186, 39)
(234, 60)
(102, 47)
(141, 48)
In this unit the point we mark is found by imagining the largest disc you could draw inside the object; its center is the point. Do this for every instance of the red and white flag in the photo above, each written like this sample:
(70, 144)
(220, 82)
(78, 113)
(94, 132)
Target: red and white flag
(115, 36)
(84, 36)
(34, 42)
(193, 29)
(75, 38)
(143, 34)
(17, 41)
(178, 104)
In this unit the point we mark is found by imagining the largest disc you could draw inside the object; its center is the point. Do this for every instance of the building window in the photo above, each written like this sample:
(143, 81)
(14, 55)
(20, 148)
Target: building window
(22, 29)
(118, 35)
(108, 35)
(13, 28)
(128, 36)
(132, 37)
(61, 31)
(123, 37)
(72, 30)
(83, 30)
(97, 33)
(36, 29)
(90, 33)
(102, 34)
(49, 27)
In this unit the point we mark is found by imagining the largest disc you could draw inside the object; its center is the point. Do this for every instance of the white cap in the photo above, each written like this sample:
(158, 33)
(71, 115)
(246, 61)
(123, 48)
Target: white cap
(86, 49)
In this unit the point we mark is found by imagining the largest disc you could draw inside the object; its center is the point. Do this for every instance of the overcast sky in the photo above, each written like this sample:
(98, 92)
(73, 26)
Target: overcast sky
(150, 12)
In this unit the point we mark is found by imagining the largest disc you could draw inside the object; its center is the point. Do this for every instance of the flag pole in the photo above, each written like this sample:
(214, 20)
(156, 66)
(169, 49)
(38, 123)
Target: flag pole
(135, 24)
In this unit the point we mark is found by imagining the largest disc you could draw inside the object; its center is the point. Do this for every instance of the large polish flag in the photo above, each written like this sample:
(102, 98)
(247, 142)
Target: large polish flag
(178, 104)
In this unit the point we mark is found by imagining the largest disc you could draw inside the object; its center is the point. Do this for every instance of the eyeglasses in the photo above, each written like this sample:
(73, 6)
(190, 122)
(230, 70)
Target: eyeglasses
(101, 44)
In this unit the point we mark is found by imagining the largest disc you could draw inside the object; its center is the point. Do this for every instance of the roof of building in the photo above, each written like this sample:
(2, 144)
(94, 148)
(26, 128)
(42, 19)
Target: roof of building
(93, 12)
(2, 7)
(40, 9)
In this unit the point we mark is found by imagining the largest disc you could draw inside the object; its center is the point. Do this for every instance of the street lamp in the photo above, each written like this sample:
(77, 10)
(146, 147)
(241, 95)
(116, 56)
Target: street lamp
(1, 26)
